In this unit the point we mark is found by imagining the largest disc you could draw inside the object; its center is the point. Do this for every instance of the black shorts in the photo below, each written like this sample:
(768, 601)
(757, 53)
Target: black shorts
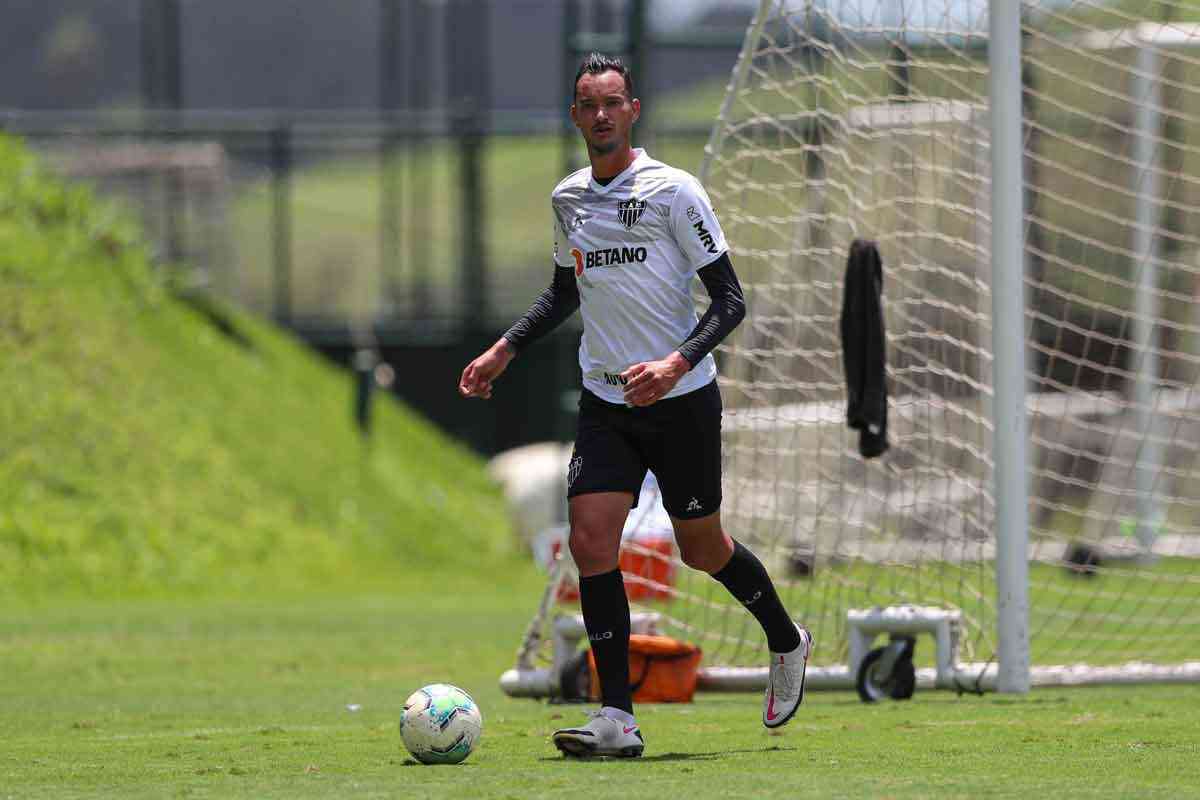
(678, 439)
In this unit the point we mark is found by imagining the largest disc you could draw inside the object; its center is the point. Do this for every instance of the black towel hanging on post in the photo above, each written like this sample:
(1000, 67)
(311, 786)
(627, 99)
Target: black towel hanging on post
(864, 347)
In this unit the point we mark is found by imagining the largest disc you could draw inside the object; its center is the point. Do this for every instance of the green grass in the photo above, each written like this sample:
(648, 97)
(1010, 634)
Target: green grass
(141, 450)
(248, 698)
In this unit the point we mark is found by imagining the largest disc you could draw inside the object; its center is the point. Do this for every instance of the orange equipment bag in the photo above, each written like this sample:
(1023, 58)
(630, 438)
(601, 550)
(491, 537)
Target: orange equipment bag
(661, 670)
(648, 566)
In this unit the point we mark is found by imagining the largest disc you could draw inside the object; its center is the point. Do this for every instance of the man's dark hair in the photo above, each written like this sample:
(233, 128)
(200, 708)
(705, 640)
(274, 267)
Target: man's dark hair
(598, 63)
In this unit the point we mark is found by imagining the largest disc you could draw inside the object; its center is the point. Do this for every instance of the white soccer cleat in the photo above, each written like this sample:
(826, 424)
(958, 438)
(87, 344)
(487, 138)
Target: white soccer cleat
(785, 684)
(601, 736)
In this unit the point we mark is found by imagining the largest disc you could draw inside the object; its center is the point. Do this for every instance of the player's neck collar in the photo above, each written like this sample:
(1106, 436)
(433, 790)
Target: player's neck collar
(638, 154)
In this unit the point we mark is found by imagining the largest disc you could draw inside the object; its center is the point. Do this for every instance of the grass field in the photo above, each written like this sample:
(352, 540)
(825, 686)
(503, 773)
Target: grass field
(249, 697)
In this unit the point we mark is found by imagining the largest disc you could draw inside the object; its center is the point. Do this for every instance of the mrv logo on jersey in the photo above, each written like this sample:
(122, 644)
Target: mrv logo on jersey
(614, 379)
(704, 236)
(608, 257)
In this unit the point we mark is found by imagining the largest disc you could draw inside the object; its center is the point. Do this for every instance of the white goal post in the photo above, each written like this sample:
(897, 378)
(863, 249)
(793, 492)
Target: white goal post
(1031, 177)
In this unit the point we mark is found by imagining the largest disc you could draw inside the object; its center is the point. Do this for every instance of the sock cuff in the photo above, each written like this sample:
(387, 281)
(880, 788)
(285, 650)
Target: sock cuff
(739, 554)
(604, 578)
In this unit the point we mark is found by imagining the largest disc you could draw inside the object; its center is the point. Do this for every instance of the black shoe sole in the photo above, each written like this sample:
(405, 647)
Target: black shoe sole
(573, 748)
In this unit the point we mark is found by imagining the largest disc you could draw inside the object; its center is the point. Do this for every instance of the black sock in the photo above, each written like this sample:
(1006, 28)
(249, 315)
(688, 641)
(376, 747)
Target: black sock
(747, 580)
(606, 617)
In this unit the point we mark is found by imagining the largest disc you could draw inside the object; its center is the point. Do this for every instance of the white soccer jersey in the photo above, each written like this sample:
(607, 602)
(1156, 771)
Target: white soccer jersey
(635, 246)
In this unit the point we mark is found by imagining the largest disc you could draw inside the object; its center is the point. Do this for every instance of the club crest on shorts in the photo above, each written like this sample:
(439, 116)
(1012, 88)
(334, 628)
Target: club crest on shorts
(630, 211)
(573, 470)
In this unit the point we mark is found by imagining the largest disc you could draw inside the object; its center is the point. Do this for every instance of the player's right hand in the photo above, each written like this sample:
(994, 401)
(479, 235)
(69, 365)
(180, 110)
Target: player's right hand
(476, 380)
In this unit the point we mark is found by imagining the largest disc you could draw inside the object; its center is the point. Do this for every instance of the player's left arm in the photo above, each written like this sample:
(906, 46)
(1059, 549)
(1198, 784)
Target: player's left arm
(650, 381)
(700, 238)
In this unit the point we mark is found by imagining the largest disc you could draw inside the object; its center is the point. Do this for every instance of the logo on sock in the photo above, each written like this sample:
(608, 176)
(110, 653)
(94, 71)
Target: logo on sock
(754, 599)
(694, 505)
(599, 637)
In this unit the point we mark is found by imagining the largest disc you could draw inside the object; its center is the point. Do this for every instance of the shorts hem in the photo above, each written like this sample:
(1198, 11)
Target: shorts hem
(598, 489)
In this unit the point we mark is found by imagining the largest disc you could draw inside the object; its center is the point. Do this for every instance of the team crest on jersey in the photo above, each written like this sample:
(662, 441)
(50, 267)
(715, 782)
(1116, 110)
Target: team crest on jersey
(630, 211)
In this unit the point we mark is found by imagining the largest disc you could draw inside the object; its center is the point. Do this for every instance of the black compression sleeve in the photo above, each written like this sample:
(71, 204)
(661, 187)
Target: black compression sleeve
(727, 309)
(556, 302)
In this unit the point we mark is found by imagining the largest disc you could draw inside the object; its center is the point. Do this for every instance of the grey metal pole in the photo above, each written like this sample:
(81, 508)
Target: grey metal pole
(1146, 94)
(281, 220)
(471, 95)
(422, 33)
(1008, 347)
(390, 196)
(639, 49)
(570, 144)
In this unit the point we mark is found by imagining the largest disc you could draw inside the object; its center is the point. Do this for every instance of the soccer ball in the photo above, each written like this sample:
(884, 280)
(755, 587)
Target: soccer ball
(440, 724)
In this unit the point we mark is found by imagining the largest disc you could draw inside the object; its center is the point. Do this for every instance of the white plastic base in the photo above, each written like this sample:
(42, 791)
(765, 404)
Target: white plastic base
(865, 625)
(967, 677)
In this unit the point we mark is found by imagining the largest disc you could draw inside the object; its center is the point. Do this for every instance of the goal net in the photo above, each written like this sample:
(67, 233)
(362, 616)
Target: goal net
(849, 119)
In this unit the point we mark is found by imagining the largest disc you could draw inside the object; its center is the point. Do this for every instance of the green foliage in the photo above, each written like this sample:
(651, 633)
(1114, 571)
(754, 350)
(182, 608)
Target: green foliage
(143, 449)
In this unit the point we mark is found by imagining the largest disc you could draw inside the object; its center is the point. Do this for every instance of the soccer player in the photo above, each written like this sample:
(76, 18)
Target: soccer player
(630, 233)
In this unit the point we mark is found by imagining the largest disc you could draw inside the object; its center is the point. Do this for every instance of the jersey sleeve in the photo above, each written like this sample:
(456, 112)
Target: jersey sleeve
(562, 258)
(695, 225)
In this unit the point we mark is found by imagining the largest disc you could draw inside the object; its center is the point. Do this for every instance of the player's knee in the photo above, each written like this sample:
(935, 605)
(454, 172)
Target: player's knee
(593, 548)
(705, 559)
(708, 552)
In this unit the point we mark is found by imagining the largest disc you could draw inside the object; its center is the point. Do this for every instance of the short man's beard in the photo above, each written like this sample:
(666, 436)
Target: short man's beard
(605, 149)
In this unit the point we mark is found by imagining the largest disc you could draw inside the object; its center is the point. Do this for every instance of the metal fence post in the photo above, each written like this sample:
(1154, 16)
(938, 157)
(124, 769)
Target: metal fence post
(365, 361)
(471, 96)
(474, 220)
(571, 54)
(162, 90)
(390, 199)
(389, 191)
(281, 219)
(419, 184)
(639, 62)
